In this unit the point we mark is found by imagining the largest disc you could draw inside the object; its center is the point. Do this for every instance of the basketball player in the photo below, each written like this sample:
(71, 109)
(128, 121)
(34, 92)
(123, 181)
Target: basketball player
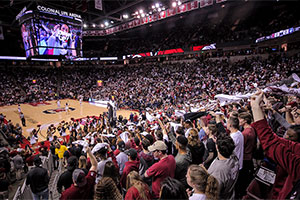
(58, 103)
(80, 101)
(19, 108)
(67, 108)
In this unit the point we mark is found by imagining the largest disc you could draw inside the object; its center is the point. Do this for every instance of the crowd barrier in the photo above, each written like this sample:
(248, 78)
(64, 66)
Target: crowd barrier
(24, 191)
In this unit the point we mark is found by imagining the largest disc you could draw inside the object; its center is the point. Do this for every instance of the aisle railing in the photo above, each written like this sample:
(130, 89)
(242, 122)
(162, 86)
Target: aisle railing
(24, 191)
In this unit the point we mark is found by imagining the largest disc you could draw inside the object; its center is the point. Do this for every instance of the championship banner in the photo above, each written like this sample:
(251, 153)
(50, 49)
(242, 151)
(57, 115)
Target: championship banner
(192, 5)
(171, 12)
(109, 31)
(124, 26)
(98, 4)
(102, 32)
(162, 15)
(154, 17)
(151, 18)
(137, 22)
(116, 28)
(204, 3)
(144, 20)
(181, 8)
(130, 24)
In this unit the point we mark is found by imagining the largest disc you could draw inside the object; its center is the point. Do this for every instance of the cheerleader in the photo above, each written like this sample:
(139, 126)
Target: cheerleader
(50, 132)
(34, 137)
(62, 131)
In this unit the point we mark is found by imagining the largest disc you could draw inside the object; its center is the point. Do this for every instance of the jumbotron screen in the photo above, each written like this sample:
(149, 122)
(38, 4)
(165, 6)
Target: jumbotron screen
(48, 33)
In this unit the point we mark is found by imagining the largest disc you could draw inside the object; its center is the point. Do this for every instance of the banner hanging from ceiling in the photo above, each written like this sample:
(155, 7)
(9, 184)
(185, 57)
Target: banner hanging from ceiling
(187, 7)
(98, 4)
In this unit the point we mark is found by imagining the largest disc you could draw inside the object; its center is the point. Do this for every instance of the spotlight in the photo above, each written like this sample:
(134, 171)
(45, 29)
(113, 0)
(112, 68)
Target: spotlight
(179, 3)
(142, 15)
(159, 9)
(125, 16)
(94, 25)
(102, 25)
(84, 25)
(174, 4)
(111, 22)
(153, 6)
(141, 11)
(106, 23)
(157, 5)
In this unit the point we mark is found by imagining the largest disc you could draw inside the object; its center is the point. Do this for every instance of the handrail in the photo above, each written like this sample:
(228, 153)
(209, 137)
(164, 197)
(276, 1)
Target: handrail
(23, 191)
(23, 186)
(17, 194)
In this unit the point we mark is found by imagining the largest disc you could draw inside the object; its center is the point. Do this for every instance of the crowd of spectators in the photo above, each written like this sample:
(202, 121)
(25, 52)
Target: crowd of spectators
(208, 153)
(149, 85)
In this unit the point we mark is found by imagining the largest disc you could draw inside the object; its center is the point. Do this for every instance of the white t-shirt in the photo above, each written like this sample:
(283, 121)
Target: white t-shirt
(187, 132)
(197, 197)
(33, 140)
(238, 139)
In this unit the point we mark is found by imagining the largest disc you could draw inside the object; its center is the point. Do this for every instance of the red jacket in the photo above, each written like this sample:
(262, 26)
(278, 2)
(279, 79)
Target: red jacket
(133, 193)
(129, 166)
(284, 152)
(114, 160)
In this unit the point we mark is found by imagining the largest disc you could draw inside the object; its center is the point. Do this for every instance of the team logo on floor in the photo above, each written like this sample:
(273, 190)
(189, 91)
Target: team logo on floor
(57, 110)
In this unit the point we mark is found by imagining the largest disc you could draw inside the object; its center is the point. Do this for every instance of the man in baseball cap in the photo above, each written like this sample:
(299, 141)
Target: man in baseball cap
(83, 185)
(162, 169)
(132, 164)
(158, 145)
(121, 158)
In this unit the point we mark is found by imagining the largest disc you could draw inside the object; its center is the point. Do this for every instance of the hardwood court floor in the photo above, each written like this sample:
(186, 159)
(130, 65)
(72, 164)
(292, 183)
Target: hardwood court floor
(48, 114)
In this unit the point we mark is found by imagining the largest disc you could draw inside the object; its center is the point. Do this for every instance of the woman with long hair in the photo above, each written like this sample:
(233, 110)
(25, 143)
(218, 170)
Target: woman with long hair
(106, 189)
(111, 171)
(211, 151)
(172, 189)
(196, 147)
(136, 188)
(205, 186)
(82, 164)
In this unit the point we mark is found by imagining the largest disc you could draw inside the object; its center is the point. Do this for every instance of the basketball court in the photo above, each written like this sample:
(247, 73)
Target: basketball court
(47, 113)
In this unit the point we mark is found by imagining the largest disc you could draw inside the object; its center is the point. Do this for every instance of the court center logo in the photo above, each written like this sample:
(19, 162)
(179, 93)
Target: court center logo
(57, 110)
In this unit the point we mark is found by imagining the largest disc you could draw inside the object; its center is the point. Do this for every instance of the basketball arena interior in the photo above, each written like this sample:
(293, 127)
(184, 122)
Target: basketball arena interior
(149, 99)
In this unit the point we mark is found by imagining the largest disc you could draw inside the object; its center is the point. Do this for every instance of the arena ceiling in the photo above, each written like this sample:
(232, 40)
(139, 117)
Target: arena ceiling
(113, 10)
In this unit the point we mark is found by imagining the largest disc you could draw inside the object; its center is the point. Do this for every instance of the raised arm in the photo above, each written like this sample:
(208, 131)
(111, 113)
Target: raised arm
(274, 149)
(92, 159)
